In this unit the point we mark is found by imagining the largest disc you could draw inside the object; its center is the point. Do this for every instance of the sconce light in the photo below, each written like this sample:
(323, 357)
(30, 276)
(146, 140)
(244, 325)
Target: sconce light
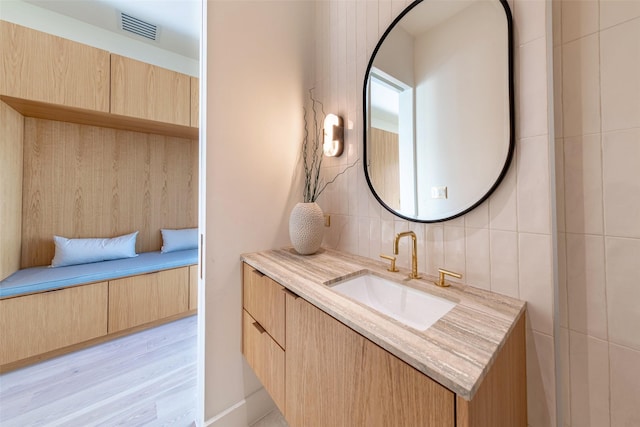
(333, 136)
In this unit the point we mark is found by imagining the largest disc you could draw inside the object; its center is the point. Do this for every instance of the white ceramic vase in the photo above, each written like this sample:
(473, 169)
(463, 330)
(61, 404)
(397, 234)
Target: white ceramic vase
(306, 228)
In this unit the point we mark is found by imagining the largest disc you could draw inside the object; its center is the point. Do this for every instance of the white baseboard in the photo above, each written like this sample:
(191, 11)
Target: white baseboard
(244, 413)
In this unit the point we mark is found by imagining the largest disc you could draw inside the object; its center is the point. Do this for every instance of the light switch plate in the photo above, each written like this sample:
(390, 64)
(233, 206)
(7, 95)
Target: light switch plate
(439, 192)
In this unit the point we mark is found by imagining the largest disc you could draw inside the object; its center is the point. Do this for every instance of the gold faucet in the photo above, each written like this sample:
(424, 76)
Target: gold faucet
(414, 252)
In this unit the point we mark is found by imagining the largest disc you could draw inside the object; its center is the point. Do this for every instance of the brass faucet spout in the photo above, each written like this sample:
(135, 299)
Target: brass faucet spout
(414, 251)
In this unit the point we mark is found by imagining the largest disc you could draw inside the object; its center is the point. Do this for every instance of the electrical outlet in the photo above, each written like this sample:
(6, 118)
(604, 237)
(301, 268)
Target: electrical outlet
(439, 192)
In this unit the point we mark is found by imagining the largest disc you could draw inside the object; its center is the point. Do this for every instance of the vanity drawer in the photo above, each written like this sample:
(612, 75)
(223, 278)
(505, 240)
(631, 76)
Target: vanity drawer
(264, 300)
(265, 357)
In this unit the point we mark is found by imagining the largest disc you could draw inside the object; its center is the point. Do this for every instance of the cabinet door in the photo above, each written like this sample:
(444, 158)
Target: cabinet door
(501, 400)
(264, 299)
(137, 300)
(195, 102)
(45, 68)
(149, 92)
(265, 357)
(38, 323)
(193, 287)
(336, 377)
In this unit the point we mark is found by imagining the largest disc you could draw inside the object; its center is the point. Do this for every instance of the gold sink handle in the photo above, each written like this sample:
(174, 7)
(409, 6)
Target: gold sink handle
(392, 267)
(442, 272)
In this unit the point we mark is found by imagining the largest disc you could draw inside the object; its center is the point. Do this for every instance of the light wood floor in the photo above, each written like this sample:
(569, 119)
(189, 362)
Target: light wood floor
(145, 379)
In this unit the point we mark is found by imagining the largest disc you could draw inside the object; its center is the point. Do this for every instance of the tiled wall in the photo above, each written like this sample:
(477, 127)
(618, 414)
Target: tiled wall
(504, 245)
(597, 104)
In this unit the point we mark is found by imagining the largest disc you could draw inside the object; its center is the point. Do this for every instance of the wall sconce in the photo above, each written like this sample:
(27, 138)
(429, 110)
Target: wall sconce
(333, 136)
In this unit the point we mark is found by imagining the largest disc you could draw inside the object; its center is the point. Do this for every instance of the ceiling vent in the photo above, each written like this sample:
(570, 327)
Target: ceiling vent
(138, 27)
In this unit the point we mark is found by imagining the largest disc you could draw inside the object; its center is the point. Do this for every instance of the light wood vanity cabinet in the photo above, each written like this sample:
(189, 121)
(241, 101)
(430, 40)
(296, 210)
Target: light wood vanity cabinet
(41, 67)
(263, 328)
(333, 376)
(336, 377)
(149, 92)
(145, 298)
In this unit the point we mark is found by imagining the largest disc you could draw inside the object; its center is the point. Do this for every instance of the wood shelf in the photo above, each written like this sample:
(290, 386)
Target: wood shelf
(43, 110)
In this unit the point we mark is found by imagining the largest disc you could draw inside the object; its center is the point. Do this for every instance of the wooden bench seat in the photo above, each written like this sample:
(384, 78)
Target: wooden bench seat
(44, 319)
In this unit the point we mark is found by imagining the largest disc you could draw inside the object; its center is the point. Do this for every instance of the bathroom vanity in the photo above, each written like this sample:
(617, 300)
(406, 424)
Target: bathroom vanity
(329, 360)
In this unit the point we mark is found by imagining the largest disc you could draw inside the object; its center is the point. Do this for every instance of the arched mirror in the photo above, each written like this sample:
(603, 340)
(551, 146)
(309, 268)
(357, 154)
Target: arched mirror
(438, 108)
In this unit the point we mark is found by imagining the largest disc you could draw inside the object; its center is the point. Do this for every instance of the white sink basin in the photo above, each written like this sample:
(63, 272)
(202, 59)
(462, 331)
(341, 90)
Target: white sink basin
(412, 307)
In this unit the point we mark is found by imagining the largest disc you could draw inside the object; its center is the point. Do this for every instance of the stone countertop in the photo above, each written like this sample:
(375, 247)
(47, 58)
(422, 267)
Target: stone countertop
(457, 351)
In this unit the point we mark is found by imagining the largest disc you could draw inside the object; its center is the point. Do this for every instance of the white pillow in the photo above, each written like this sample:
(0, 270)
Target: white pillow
(82, 251)
(179, 240)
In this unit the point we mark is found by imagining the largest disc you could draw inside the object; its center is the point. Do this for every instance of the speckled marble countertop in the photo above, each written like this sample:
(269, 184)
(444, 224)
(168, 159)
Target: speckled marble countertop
(457, 351)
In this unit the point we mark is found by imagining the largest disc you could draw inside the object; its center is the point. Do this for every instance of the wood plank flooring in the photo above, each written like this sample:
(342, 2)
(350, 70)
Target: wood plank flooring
(144, 379)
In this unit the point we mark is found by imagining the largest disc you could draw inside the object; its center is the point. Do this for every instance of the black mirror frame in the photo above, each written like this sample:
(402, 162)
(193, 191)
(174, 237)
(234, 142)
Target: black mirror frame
(511, 150)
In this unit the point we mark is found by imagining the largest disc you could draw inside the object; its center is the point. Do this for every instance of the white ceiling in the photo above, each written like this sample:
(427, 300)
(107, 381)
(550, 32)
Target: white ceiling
(178, 21)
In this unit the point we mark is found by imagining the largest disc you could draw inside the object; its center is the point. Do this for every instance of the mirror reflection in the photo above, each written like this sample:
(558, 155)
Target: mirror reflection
(438, 110)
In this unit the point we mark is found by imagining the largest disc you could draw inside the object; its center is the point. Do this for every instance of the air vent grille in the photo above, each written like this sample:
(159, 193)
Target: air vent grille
(138, 26)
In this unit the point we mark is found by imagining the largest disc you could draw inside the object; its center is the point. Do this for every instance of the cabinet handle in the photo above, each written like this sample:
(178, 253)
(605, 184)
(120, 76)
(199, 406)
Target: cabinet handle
(291, 293)
(259, 327)
(259, 273)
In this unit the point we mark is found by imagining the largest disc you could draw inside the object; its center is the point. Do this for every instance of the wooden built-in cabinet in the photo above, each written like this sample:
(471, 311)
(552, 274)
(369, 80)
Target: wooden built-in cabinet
(54, 87)
(46, 324)
(41, 67)
(329, 375)
(195, 102)
(149, 92)
(49, 77)
(193, 287)
(38, 323)
(137, 300)
(12, 167)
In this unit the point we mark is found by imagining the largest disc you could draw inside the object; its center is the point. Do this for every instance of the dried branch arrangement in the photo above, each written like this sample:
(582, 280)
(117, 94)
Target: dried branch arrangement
(312, 153)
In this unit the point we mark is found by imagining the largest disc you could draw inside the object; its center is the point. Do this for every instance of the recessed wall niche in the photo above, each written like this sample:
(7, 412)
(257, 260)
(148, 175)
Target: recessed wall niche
(88, 181)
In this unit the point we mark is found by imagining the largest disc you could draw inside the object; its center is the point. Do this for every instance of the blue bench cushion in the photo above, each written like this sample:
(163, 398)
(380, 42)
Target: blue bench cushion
(39, 279)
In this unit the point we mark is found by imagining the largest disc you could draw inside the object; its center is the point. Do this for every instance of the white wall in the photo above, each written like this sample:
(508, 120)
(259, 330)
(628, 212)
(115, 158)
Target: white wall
(597, 100)
(44, 20)
(461, 99)
(504, 245)
(258, 57)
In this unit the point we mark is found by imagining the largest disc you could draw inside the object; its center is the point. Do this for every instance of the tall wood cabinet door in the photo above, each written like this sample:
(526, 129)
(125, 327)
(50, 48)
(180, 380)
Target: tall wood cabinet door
(149, 92)
(195, 102)
(336, 377)
(45, 68)
(193, 287)
(137, 300)
(38, 323)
